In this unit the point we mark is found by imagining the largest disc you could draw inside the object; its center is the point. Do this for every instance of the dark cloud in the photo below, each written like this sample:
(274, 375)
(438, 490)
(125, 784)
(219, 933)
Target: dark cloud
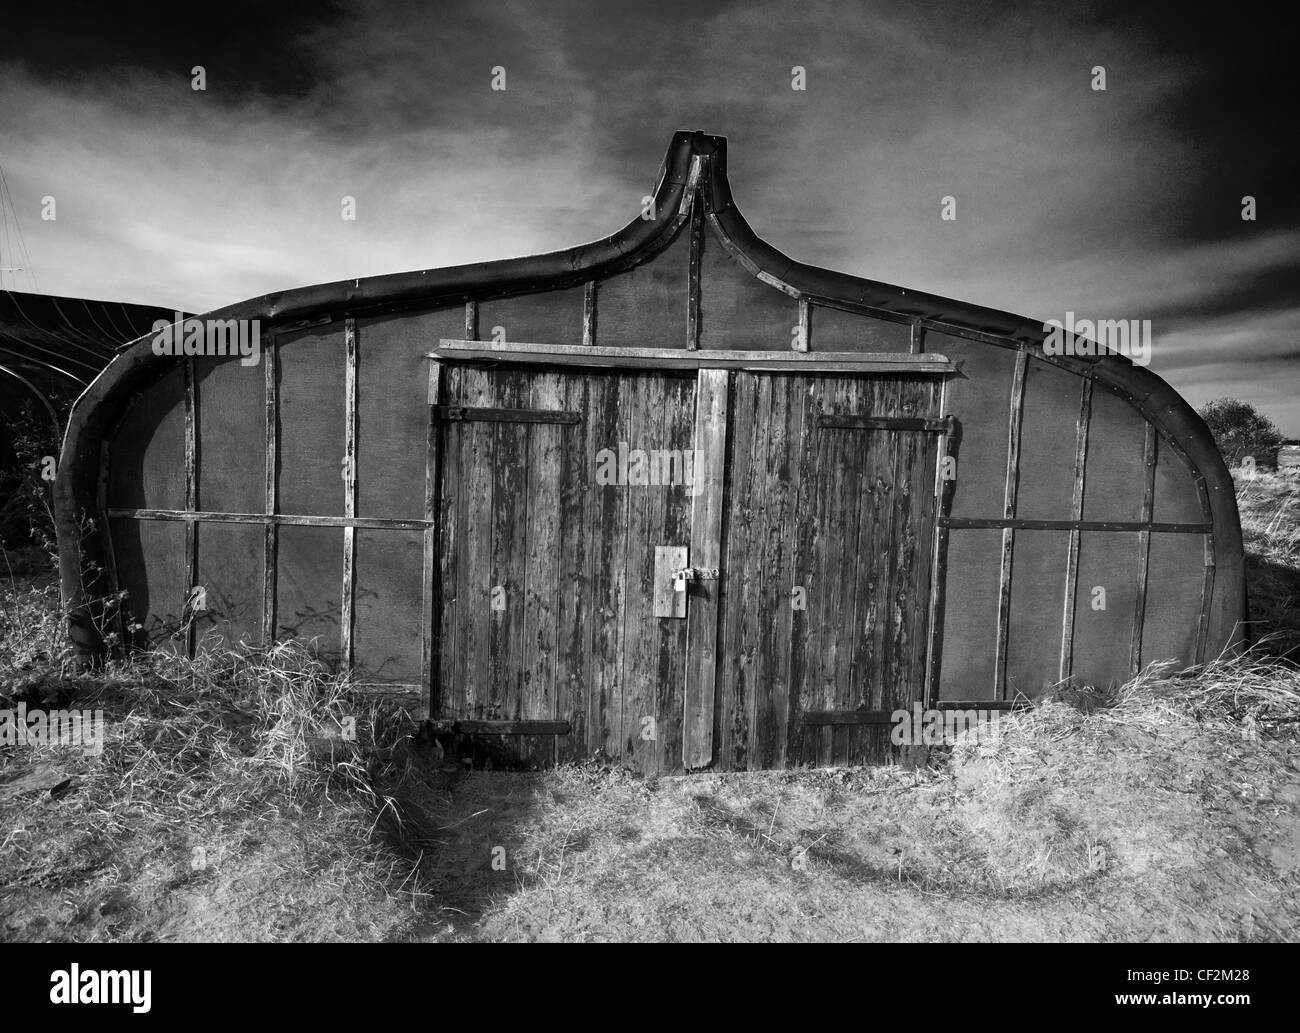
(248, 46)
(1117, 204)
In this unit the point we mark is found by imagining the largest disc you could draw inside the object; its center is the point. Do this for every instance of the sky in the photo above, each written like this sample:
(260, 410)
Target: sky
(1122, 203)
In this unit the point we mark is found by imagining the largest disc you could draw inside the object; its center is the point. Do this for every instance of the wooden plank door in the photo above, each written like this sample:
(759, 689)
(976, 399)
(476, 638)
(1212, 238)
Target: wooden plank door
(557, 488)
(825, 594)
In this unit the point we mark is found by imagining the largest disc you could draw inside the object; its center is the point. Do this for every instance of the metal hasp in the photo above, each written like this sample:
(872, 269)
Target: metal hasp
(684, 574)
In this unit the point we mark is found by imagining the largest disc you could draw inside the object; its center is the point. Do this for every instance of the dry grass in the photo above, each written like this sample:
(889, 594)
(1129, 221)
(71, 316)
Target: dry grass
(1162, 817)
(1269, 504)
(227, 804)
(231, 801)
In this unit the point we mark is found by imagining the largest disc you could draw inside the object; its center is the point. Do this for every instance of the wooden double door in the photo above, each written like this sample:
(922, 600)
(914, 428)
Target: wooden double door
(681, 569)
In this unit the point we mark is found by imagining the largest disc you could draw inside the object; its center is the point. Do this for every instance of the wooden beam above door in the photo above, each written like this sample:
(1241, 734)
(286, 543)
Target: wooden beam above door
(681, 358)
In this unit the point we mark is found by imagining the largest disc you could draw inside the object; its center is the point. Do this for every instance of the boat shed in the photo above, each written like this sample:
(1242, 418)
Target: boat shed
(671, 498)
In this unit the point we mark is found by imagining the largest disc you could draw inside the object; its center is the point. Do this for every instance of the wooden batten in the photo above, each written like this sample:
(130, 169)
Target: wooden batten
(589, 313)
(1149, 458)
(693, 275)
(430, 594)
(1010, 491)
(494, 414)
(1076, 512)
(949, 447)
(465, 727)
(688, 359)
(1207, 600)
(191, 500)
(471, 320)
(968, 523)
(934, 425)
(803, 342)
(346, 618)
(116, 621)
(711, 417)
(270, 355)
(916, 345)
(276, 519)
(846, 717)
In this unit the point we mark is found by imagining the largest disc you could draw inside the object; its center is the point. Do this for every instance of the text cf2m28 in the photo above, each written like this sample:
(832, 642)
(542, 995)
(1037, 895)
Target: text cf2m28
(670, 497)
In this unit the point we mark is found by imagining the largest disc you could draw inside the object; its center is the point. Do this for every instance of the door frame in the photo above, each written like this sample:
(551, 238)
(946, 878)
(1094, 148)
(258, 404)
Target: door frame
(713, 386)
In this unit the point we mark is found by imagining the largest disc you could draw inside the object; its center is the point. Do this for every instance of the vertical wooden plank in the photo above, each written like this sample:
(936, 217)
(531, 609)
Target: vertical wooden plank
(917, 343)
(829, 557)
(270, 356)
(574, 573)
(693, 278)
(883, 568)
(430, 587)
(473, 677)
(801, 341)
(944, 486)
(847, 567)
(1149, 458)
(789, 473)
(810, 627)
(1076, 513)
(588, 314)
(453, 599)
(191, 498)
(471, 320)
(1207, 598)
(673, 517)
(609, 526)
(924, 504)
(115, 621)
(771, 715)
(1012, 486)
(543, 561)
(706, 539)
(637, 660)
(739, 589)
(511, 514)
(916, 516)
(349, 490)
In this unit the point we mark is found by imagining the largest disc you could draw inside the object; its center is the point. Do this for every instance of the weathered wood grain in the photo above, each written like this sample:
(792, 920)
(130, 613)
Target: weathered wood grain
(346, 621)
(741, 568)
(1149, 459)
(574, 574)
(544, 560)
(1082, 425)
(681, 358)
(1012, 487)
(271, 403)
(667, 601)
(431, 587)
(636, 664)
(191, 498)
(706, 536)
